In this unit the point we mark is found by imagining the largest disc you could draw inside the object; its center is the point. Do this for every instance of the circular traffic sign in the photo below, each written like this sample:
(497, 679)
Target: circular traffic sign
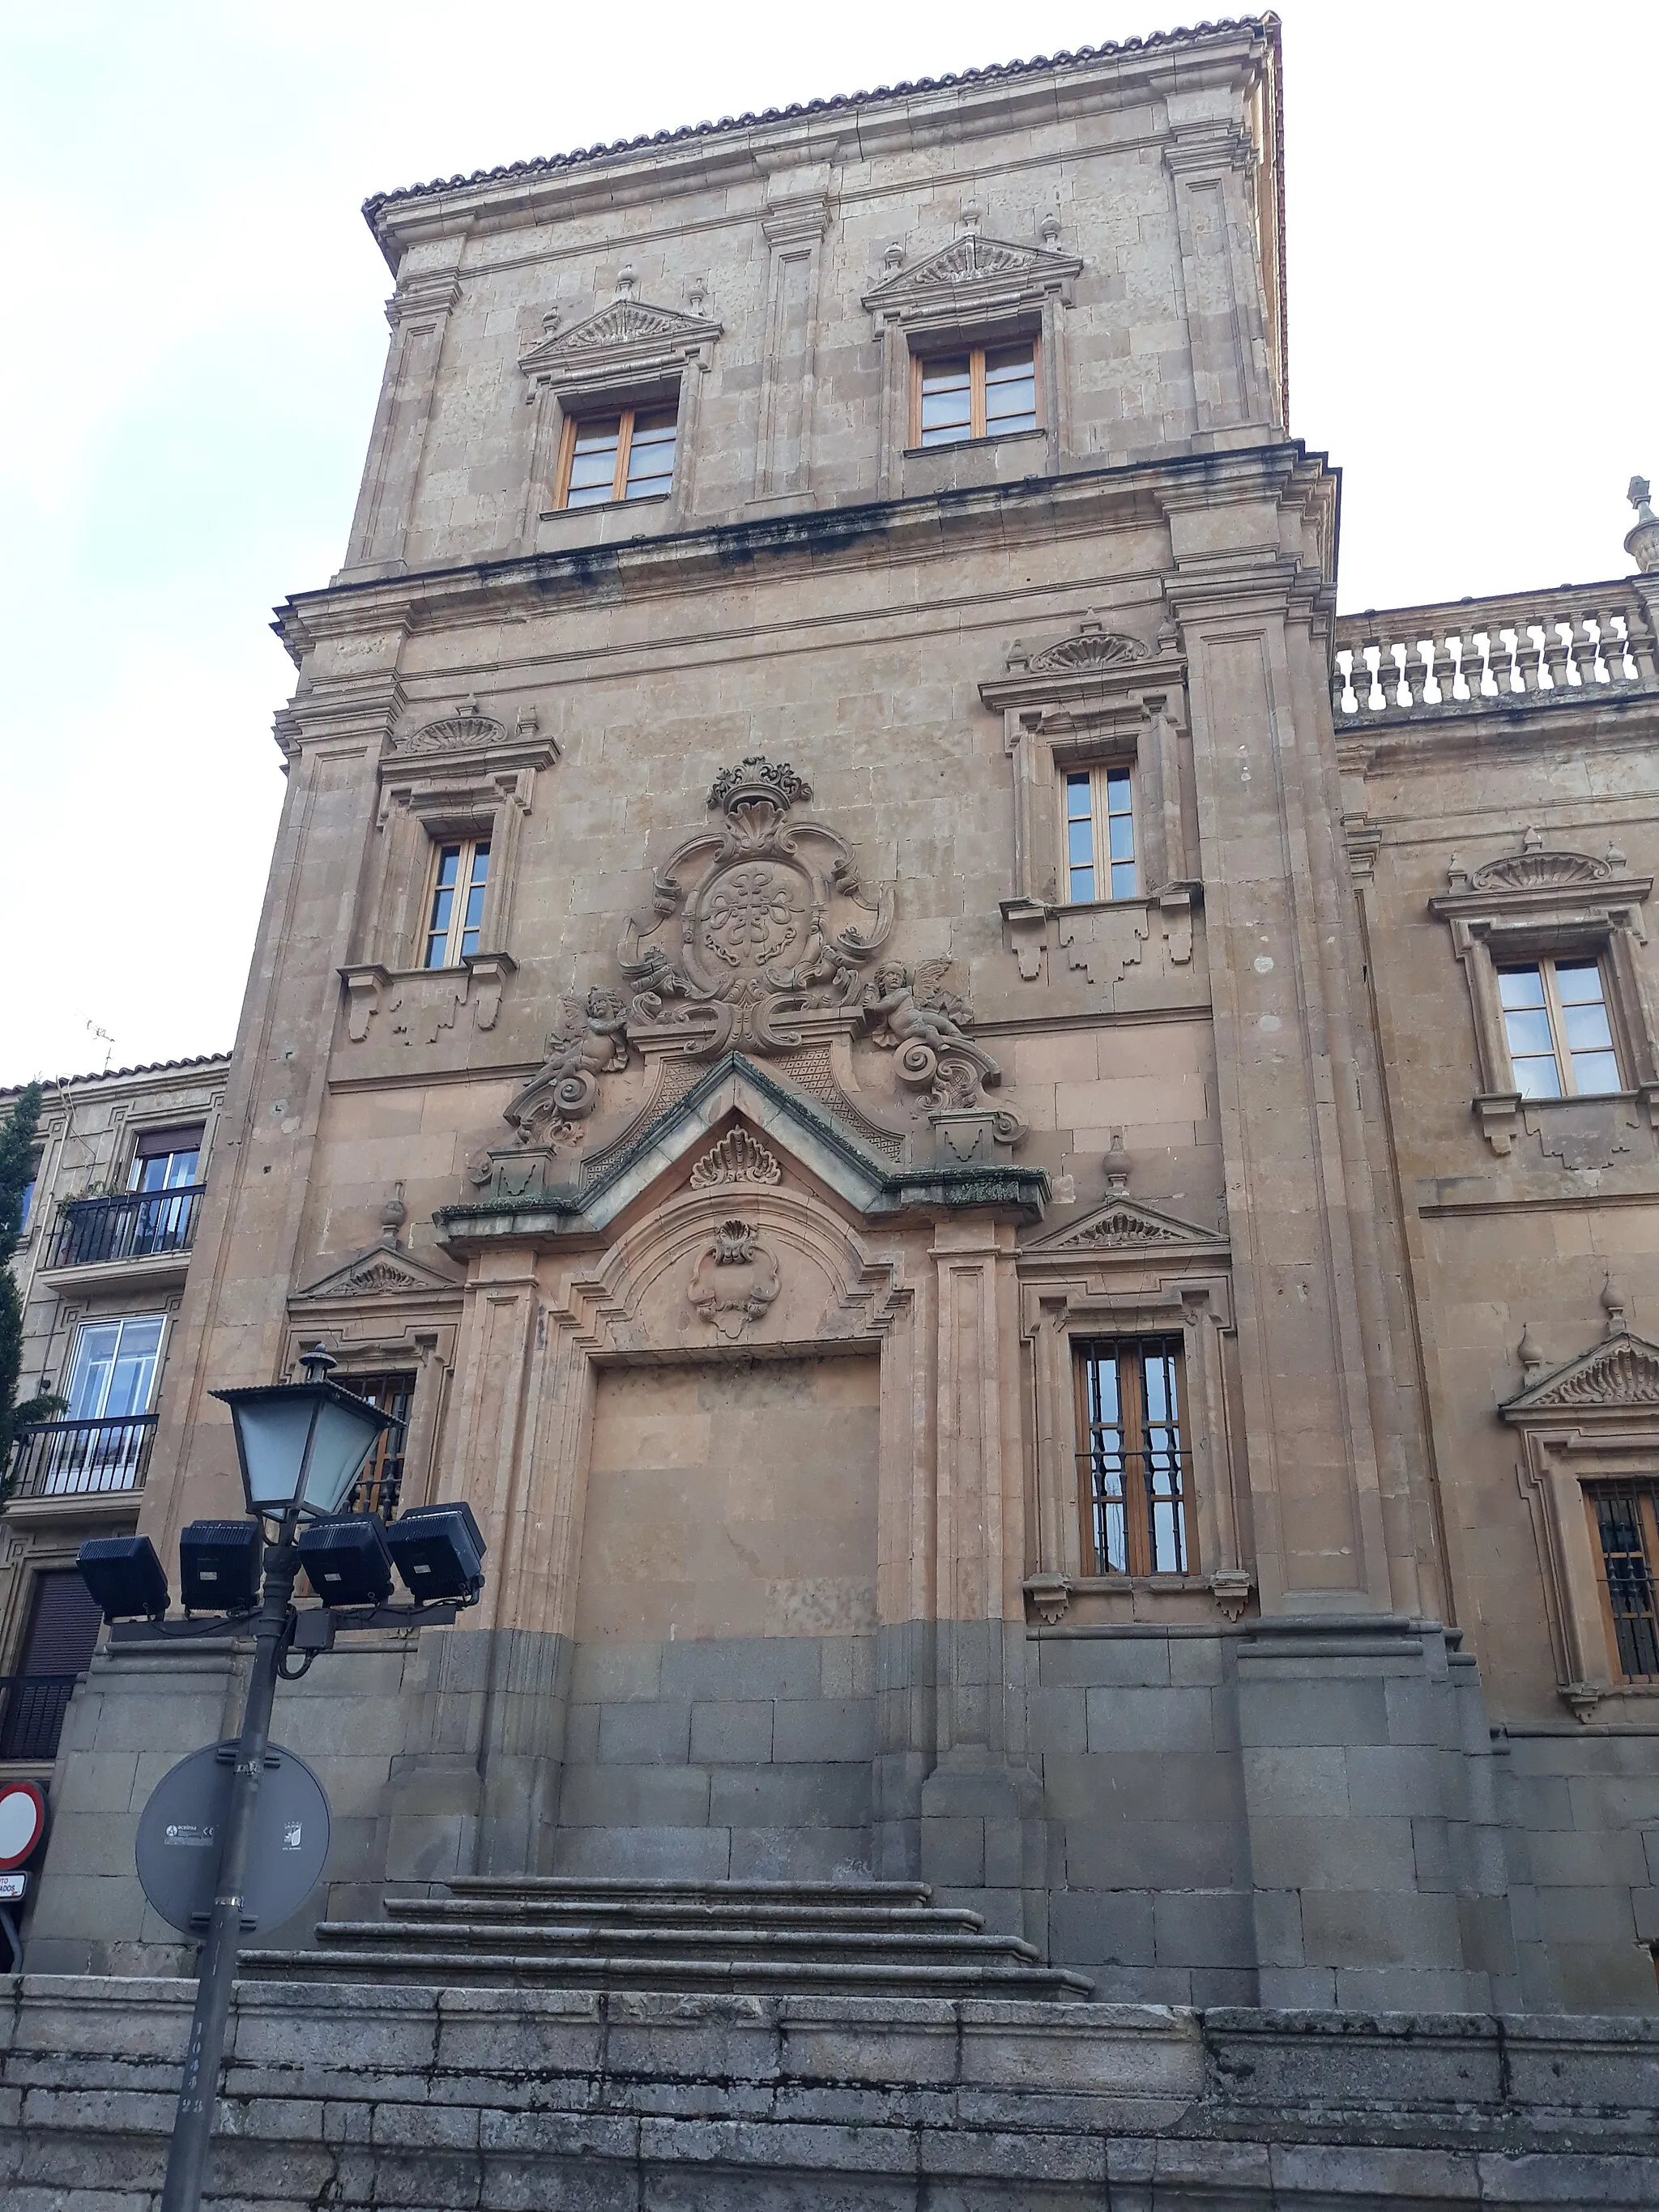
(23, 1820)
(179, 1829)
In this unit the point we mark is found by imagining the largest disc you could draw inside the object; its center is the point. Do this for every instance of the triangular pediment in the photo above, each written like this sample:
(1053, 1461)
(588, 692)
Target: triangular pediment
(1124, 1225)
(1619, 1374)
(381, 1271)
(625, 327)
(973, 268)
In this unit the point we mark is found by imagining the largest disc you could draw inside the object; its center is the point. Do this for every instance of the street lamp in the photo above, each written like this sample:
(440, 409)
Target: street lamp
(301, 1446)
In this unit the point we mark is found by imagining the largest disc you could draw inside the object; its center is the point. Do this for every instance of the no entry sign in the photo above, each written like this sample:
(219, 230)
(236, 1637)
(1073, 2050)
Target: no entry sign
(23, 1820)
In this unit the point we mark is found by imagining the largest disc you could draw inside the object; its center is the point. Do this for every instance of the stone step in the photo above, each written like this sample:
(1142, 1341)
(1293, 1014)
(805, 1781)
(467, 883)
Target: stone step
(646, 1889)
(755, 1976)
(831, 1938)
(683, 1912)
(568, 1938)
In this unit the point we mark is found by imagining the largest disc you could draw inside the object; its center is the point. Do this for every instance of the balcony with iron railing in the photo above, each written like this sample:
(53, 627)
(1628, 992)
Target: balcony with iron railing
(80, 1459)
(153, 1225)
(1586, 644)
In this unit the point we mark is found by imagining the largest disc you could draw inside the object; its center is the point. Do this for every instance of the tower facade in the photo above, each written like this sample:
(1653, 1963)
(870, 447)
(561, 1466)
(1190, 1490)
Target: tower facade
(949, 1143)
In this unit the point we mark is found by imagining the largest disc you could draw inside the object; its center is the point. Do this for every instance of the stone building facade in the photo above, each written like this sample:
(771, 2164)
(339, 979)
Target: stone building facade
(927, 1083)
(109, 1230)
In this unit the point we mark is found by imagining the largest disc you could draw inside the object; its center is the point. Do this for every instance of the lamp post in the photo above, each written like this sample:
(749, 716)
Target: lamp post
(301, 1446)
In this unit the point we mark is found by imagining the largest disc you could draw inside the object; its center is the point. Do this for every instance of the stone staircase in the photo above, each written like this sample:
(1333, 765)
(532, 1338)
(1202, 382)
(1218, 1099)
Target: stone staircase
(777, 1938)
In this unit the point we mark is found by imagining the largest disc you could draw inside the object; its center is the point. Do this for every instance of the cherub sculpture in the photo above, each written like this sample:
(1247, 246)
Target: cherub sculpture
(591, 1040)
(916, 1010)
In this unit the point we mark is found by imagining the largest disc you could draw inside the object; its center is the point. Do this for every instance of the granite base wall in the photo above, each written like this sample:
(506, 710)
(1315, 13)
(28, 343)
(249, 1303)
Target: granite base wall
(501, 2099)
(1313, 1812)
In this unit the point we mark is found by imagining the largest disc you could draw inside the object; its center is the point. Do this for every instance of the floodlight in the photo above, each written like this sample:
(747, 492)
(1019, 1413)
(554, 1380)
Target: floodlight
(219, 1564)
(438, 1552)
(123, 1577)
(346, 1560)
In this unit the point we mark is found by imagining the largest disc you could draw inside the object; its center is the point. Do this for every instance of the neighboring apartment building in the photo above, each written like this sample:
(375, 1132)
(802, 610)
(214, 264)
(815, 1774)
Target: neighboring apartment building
(1037, 1248)
(109, 1227)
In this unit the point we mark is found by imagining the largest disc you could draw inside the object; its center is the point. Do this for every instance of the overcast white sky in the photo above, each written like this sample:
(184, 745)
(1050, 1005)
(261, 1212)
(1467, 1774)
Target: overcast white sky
(195, 342)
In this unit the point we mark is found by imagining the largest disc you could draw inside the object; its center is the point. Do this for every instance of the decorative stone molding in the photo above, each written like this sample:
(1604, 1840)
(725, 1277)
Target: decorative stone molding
(1068, 1294)
(973, 281)
(1100, 693)
(738, 1158)
(1556, 901)
(1643, 542)
(624, 345)
(381, 1271)
(469, 729)
(1123, 1224)
(589, 1040)
(735, 1279)
(1593, 1418)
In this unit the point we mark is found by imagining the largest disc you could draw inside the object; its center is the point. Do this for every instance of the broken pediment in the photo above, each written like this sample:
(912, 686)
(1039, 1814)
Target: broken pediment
(1620, 1374)
(1123, 1224)
(382, 1271)
(984, 275)
(736, 1124)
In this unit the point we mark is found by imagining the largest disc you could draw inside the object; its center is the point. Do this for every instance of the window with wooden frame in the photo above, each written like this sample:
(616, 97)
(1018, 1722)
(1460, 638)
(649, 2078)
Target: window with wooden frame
(1625, 1525)
(1132, 1458)
(461, 876)
(987, 392)
(1556, 1026)
(1098, 861)
(627, 455)
(380, 1486)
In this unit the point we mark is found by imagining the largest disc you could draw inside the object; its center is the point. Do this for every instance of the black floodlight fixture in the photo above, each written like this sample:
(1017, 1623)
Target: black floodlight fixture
(438, 1552)
(123, 1577)
(346, 1560)
(302, 1444)
(219, 1564)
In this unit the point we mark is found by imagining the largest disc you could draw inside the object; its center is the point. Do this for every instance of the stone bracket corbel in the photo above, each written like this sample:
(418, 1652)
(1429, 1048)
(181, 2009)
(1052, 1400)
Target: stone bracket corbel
(489, 972)
(1025, 933)
(1499, 1113)
(363, 987)
(1175, 902)
(1582, 1699)
(1231, 1588)
(1050, 1595)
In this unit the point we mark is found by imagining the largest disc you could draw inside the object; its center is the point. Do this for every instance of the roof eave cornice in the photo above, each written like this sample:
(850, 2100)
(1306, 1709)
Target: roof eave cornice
(875, 122)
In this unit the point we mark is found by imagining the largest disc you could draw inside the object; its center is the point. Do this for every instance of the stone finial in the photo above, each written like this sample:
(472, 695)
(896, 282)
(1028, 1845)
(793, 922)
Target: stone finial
(626, 280)
(470, 704)
(1613, 1305)
(1049, 230)
(1016, 656)
(1615, 857)
(697, 298)
(1528, 1352)
(971, 217)
(529, 722)
(1118, 1166)
(393, 1214)
(893, 260)
(1531, 839)
(1643, 542)
(552, 320)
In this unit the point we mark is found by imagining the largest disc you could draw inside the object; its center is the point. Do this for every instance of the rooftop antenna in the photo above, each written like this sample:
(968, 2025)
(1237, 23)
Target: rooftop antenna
(108, 1042)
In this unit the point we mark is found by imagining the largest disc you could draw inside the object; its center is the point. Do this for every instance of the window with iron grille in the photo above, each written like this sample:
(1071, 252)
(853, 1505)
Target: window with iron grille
(1624, 1518)
(1133, 1479)
(380, 1486)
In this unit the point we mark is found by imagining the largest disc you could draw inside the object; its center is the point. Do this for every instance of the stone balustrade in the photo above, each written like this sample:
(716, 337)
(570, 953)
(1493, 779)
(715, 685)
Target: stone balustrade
(1472, 655)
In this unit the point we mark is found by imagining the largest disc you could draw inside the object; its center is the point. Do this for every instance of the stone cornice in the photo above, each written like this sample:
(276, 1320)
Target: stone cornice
(891, 119)
(1079, 502)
